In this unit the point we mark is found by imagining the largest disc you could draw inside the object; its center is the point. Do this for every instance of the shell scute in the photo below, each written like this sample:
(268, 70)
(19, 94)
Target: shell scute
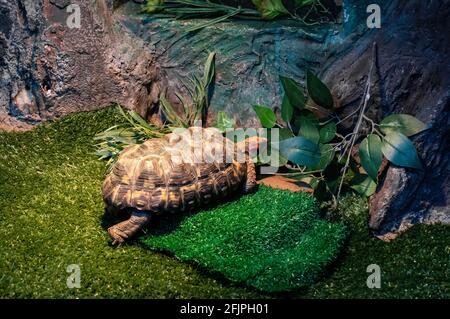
(150, 176)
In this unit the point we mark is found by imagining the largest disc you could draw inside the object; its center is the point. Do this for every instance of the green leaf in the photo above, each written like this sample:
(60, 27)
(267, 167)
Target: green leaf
(310, 116)
(404, 123)
(103, 154)
(314, 183)
(110, 133)
(284, 134)
(308, 129)
(318, 91)
(371, 155)
(139, 119)
(321, 191)
(305, 114)
(273, 145)
(364, 185)
(210, 22)
(223, 121)
(333, 185)
(304, 3)
(153, 6)
(270, 9)
(266, 116)
(400, 151)
(209, 71)
(293, 92)
(333, 170)
(266, 157)
(286, 109)
(328, 132)
(300, 151)
(326, 156)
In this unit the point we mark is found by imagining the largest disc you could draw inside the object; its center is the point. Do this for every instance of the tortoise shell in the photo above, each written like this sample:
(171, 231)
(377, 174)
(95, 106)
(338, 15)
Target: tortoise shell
(174, 173)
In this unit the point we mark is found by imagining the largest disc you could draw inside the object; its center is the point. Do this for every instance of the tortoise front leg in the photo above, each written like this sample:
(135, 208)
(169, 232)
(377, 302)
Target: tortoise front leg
(123, 231)
(250, 182)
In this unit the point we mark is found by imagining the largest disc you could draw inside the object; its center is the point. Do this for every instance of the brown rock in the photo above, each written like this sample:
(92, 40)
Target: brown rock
(49, 69)
(285, 183)
(396, 192)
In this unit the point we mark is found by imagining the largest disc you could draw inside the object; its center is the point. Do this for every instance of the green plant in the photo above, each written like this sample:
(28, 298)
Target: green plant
(314, 151)
(136, 130)
(223, 122)
(303, 11)
(199, 90)
(133, 130)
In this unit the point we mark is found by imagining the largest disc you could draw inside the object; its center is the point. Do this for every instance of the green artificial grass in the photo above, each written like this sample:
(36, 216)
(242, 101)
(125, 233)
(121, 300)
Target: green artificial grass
(51, 215)
(272, 240)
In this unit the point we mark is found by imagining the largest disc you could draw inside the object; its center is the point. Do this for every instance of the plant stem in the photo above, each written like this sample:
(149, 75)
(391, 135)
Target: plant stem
(355, 133)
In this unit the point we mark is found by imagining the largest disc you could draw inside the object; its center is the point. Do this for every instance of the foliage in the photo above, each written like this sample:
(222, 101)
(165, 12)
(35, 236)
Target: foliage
(216, 11)
(319, 155)
(275, 245)
(133, 130)
(199, 90)
(270, 9)
(223, 122)
(265, 115)
(51, 210)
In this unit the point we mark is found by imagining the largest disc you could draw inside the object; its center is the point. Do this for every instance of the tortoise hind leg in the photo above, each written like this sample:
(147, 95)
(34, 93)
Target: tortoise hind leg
(250, 184)
(123, 231)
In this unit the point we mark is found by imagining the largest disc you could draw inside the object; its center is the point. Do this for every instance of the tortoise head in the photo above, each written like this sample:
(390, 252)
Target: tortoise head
(251, 145)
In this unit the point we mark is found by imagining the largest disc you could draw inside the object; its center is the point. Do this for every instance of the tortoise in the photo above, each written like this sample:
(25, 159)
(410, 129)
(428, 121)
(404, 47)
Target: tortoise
(176, 173)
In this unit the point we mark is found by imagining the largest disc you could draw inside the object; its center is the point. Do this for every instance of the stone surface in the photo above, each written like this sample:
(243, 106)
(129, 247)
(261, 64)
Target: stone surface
(285, 183)
(250, 56)
(49, 70)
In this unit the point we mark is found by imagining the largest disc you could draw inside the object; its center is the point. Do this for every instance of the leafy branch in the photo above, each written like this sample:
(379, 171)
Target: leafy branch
(362, 109)
(312, 150)
(133, 130)
(305, 12)
(199, 90)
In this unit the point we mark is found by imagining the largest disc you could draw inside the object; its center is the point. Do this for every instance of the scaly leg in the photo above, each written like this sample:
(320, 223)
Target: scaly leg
(123, 231)
(250, 182)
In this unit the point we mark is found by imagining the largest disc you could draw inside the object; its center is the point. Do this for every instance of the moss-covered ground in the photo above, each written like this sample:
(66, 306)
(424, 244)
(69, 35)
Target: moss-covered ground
(51, 216)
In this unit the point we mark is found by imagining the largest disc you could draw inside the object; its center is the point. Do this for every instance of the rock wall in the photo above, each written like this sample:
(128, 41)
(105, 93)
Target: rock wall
(250, 56)
(49, 69)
